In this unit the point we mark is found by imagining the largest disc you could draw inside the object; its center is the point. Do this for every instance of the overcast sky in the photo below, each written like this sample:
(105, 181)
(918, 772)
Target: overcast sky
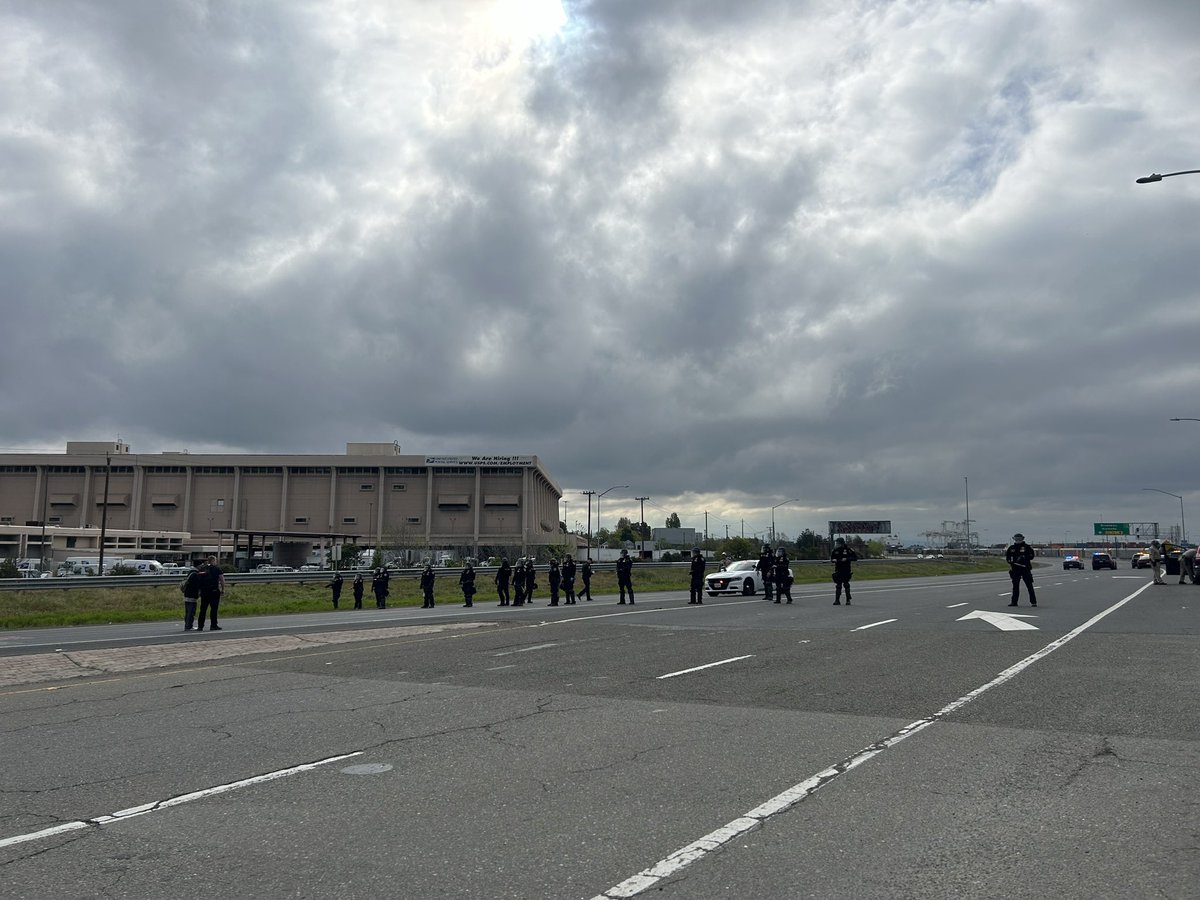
(727, 253)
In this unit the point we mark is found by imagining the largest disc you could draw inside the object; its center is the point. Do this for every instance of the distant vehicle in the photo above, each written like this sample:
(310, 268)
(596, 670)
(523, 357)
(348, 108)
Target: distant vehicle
(143, 566)
(740, 577)
(175, 569)
(274, 570)
(1072, 562)
(1103, 561)
(87, 565)
(310, 567)
(1141, 560)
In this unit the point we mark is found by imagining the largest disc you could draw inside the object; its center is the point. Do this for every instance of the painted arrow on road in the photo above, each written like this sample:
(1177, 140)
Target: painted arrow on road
(1003, 621)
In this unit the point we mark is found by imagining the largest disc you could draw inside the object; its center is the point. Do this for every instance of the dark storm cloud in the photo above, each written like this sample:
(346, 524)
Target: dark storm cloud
(728, 253)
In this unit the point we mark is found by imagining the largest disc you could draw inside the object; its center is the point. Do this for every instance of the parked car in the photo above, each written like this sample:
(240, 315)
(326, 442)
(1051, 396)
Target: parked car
(740, 577)
(1103, 561)
(1141, 560)
(1072, 562)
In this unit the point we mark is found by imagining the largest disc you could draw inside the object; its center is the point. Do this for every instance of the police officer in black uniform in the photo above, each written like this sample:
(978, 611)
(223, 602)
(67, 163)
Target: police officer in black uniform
(467, 582)
(427, 579)
(585, 572)
(766, 569)
(555, 578)
(625, 577)
(503, 577)
(842, 557)
(568, 580)
(782, 574)
(335, 588)
(696, 587)
(1019, 557)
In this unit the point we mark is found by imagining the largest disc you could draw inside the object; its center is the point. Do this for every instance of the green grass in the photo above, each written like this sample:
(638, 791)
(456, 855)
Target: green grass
(99, 606)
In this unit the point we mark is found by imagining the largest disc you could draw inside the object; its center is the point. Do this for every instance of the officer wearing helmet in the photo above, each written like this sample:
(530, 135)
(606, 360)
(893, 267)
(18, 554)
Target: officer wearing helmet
(766, 569)
(1019, 557)
(842, 558)
(696, 587)
(625, 577)
(782, 574)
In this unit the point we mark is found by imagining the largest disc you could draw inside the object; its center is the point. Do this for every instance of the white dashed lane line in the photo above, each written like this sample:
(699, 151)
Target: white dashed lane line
(705, 666)
(873, 624)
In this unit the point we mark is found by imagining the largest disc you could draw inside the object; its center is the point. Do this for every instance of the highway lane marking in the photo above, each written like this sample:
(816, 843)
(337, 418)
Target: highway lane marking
(155, 805)
(1003, 621)
(873, 624)
(525, 649)
(705, 666)
(955, 605)
(757, 817)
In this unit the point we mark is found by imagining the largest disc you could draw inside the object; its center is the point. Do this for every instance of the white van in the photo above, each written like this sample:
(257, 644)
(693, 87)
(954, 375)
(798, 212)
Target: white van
(144, 566)
(87, 565)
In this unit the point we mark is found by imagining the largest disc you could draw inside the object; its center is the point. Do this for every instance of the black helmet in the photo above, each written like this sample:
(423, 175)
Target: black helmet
(695, 551)
(1018, 537)
(840, 541)
(766, 548)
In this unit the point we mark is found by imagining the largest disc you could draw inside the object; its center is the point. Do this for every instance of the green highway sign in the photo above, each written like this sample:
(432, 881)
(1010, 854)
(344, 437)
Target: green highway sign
(1111, 527)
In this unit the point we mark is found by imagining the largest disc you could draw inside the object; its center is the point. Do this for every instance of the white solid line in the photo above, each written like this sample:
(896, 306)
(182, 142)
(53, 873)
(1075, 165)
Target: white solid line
(524, 649)
(705, 666)
(955, 605)
(143, 808)
(873, 624)
(697, 850)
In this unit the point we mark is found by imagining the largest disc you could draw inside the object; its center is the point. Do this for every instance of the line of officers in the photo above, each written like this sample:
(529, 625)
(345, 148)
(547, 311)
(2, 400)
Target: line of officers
(515, 584)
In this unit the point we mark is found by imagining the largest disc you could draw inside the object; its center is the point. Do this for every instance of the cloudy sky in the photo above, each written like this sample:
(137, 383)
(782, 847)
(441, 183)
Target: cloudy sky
(881, 257)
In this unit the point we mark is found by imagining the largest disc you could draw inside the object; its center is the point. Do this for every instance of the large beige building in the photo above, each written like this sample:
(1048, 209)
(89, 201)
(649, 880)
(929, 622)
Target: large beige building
(373, 493)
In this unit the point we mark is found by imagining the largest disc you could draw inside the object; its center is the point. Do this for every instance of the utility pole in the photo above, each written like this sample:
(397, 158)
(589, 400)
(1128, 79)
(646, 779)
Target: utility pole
(104, 512)
(642, 530)
(706, 526)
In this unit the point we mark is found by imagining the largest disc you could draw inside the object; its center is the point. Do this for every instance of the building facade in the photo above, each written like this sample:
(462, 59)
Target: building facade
(372, 494)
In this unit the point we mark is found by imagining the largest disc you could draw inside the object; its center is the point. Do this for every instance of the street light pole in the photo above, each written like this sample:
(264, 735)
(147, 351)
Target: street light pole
(1148, 179)
(1182, 520)
(601, 494)
(775, 507)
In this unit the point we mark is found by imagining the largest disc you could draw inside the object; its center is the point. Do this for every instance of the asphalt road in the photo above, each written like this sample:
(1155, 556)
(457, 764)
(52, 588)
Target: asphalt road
(899, 747)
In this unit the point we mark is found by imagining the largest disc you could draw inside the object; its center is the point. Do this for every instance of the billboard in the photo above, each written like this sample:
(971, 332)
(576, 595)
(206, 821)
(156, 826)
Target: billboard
(864, 526)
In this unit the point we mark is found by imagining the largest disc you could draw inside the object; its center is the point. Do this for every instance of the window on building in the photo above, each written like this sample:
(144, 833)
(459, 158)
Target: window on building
(349, 520)
(300, 520)
(366, 487)
(399, 486)
(413, 520)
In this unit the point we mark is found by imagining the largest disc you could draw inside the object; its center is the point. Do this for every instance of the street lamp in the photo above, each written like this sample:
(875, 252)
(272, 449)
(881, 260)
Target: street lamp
(775, 507)
(601, 494)
(1182, 520)
(1152, 178)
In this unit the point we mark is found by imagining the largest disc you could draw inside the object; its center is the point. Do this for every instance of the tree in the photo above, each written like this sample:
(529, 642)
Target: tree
(625, 530)
(673, 521)
(739, 548)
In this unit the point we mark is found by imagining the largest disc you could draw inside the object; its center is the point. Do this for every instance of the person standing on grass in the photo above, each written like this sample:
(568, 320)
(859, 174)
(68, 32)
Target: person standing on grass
(212, 586)
(358, 590)
(335, 588)
(843, 558)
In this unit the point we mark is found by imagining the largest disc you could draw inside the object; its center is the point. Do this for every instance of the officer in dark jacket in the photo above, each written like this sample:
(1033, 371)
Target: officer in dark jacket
(358, 590)
(782, 574)
(191, 594)
(427, 578)
(585, 573)
(530, 579)
(625, 577)
(518, 581)
(503, 577)
(554, 576)
(568, 580)
(766, 569)
(842, 557)
(696, 586)
(335, 588)
(1019, 557)
(467, 582)
(212, 584)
